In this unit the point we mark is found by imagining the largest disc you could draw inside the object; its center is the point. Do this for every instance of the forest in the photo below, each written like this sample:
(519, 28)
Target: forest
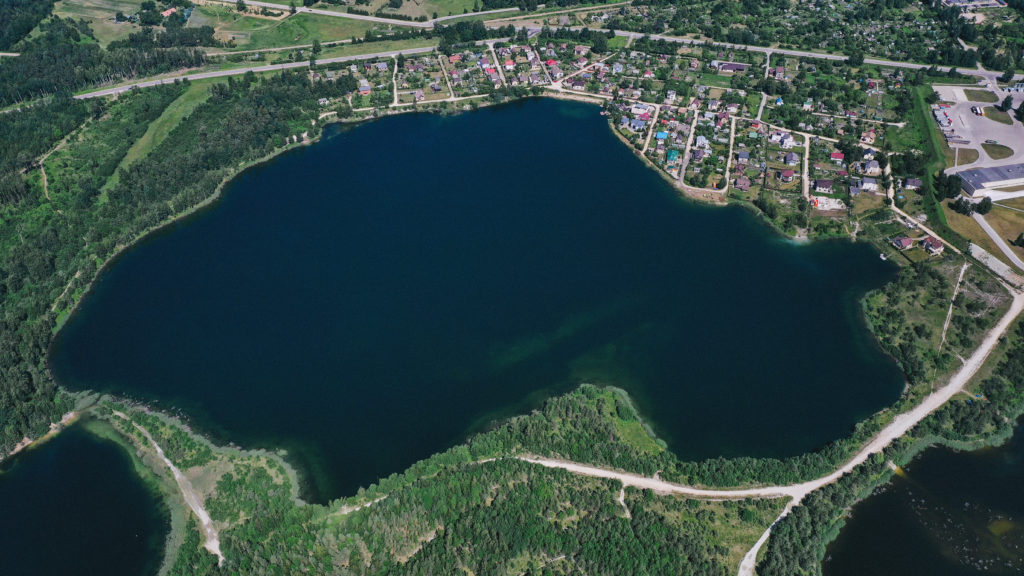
(62, 59)
(798, 543)
(42, 254)
(19, 17)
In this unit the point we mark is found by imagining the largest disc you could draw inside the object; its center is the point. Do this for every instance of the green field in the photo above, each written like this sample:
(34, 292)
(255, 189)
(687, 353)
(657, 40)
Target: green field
(253, 33)
(998, 115)
(100, 16)
(196, 94)
(980, 95)
(427, 8)
(998, 151)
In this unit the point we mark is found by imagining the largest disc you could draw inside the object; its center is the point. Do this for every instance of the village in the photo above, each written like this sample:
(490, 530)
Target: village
(812, 144)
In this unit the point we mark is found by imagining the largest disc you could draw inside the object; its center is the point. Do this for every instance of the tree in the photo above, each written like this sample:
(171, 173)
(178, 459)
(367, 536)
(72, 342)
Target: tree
(291, 6)
(317, 49)
(855, 58)
(1020, 112)
(240, 5)
(1008, 75)
(1020, 240)
(984, 207)
(600, 42)
(1007, 104)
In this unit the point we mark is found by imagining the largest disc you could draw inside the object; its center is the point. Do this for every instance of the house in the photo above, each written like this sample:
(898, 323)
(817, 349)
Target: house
(510, 65)
(323, 102)
(823, 186)
(902, 242)
(168, 12)
(581, 50)
(869, 154)
(872, 168)
(419, 96)
(838, 157)
(732, 67)
(792, 159)
(702, 142)
(694, 64)
(743, 157)
(787, 175)
(661, 135)
(637, 125)
(580, 63)
(673, 156)
(382, 66)
(556, 72)
(579, 84)
(869, 185)
(617, 68)
(912, 184)
(648, 74)
(780, 73)
(743, 183)
(364, 87)
(698, 155)
(454, 58)
(932, 245)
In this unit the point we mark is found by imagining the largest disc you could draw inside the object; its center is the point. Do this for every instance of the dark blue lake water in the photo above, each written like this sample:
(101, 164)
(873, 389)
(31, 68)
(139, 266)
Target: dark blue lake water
(951, 514)
(76, 506)
(374, 298)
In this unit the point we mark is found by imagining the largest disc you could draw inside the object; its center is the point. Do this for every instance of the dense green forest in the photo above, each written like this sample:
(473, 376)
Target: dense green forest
(458, 510)
(64, 57)
(43, 255)
(19, 17)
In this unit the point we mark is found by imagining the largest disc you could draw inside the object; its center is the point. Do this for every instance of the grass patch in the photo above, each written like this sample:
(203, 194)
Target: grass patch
(969, 229)
(992, 113)
(251, 33)
(1008, 224)
(966, 156)
(196, 94)
(100, 16)
(975, 95)
(998, 151)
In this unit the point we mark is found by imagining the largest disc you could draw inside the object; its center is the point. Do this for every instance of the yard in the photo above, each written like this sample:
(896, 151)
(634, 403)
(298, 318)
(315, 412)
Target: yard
(100, 16)
(255, 33)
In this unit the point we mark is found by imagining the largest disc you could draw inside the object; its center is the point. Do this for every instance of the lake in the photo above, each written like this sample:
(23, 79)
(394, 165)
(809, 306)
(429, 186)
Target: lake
(76, 506)
(951, 514)
(374, 298)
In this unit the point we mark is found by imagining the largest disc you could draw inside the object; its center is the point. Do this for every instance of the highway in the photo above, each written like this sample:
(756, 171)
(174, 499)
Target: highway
(240, 71)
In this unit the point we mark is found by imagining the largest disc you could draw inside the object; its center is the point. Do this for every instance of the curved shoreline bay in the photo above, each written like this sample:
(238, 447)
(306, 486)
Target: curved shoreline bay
(371, 299)
(949, 513)
(75, 505)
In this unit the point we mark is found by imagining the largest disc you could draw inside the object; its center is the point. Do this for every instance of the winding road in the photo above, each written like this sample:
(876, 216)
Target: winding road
(899, 426)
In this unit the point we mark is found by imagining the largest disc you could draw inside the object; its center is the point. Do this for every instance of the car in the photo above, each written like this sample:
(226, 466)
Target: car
(991, 142)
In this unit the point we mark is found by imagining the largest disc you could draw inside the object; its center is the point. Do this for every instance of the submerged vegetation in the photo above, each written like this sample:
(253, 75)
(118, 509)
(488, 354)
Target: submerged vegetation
(474, 506)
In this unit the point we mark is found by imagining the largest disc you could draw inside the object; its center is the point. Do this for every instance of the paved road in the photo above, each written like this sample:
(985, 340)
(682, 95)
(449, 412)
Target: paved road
(240, 71)
(1000, 242)
(899, 427)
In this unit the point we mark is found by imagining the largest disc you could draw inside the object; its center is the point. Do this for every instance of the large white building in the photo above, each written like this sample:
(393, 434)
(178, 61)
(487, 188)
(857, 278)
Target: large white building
(981, 181)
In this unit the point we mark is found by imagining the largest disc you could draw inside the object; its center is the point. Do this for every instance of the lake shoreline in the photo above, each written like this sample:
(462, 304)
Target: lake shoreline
(210, 201)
